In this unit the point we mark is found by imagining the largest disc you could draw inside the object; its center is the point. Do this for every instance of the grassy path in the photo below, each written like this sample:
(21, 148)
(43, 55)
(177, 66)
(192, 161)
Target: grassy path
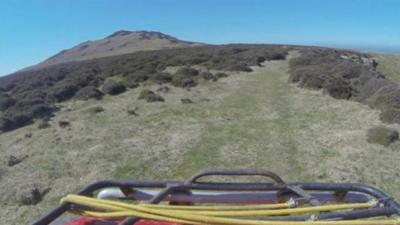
(255, 127)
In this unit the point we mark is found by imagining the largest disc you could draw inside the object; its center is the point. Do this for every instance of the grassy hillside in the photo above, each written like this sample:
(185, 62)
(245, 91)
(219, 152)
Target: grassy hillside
(29, 95)
(389, 65)
(248, 120)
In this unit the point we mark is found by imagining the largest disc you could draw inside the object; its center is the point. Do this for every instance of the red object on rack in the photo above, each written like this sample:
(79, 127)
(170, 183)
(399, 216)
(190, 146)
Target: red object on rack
(95, 221)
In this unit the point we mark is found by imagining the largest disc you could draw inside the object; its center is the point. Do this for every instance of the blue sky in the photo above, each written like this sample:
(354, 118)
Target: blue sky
(32, 30)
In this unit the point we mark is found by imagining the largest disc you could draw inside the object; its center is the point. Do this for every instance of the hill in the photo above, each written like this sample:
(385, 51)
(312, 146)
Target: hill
(303, 112)
(119, 43)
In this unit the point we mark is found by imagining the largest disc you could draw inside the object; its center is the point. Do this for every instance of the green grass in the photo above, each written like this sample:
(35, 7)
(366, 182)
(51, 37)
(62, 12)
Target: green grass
(389, 65)
(256, 120)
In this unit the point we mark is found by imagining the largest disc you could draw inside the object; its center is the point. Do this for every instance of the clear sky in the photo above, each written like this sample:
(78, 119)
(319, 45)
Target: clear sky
(32, 30)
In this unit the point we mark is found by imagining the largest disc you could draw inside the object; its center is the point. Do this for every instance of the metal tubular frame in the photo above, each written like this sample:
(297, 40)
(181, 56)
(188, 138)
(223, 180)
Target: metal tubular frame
(283, 190)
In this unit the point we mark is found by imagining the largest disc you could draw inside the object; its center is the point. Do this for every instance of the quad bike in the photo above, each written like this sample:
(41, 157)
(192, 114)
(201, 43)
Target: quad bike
(198, 201)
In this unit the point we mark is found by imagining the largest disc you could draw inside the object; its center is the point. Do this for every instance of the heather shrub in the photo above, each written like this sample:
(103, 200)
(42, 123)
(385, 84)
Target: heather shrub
(150, 96)
(6, 102)
(89, 92)
(112, 87)
(63, 91)
(95, 109)
(206, 75)
(382, 135)
(187, 71)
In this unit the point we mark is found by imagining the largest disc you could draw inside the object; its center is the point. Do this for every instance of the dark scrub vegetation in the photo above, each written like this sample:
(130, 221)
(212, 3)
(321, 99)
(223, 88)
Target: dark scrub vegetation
(95, 110)
(150, 96)
(186, 101)
(206, 75)
(27, 95)
(112, 87)
(347, 75)
(185, 77)
(382, 135)
(6, 102)
(89, 92)
(64, 123)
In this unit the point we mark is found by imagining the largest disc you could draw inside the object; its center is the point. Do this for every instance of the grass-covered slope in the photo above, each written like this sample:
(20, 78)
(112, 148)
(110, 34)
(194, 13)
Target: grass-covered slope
(348, 75)
(28, 95)
(389, 65)
(249, 120)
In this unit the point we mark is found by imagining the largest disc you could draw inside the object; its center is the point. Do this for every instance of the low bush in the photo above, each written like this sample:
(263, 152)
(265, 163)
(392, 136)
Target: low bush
(95, 109)
(163, 89)
(312, 82)
(382, 135)
(390, 115)
(10, 122)
(41, 110)
(150, 96)
(182, 80)
(5, 124)
(130, 83)
(112, 87)
(13, 160)
(313, 78)
(32, 195)
(206, 75)
(138, 77)
(64, 123)
(187, 71)
(21, 119)
(278, 56)
(132, 112)
(338, 88)
(221, 75)
(63, 92)
(89, 92)
(186, 101)
(6, 102)
(161, 78)
(43, 124)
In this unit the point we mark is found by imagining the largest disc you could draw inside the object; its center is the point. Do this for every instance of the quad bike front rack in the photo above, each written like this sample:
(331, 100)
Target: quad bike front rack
(274, 190)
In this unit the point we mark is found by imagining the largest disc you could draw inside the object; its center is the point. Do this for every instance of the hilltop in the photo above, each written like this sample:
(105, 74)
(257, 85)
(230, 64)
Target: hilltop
(118, 43)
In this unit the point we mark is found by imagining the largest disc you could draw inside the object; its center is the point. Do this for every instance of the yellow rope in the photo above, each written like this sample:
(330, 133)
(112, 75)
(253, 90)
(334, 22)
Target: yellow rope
(113, 209)
(279, 212)
(220, 207)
